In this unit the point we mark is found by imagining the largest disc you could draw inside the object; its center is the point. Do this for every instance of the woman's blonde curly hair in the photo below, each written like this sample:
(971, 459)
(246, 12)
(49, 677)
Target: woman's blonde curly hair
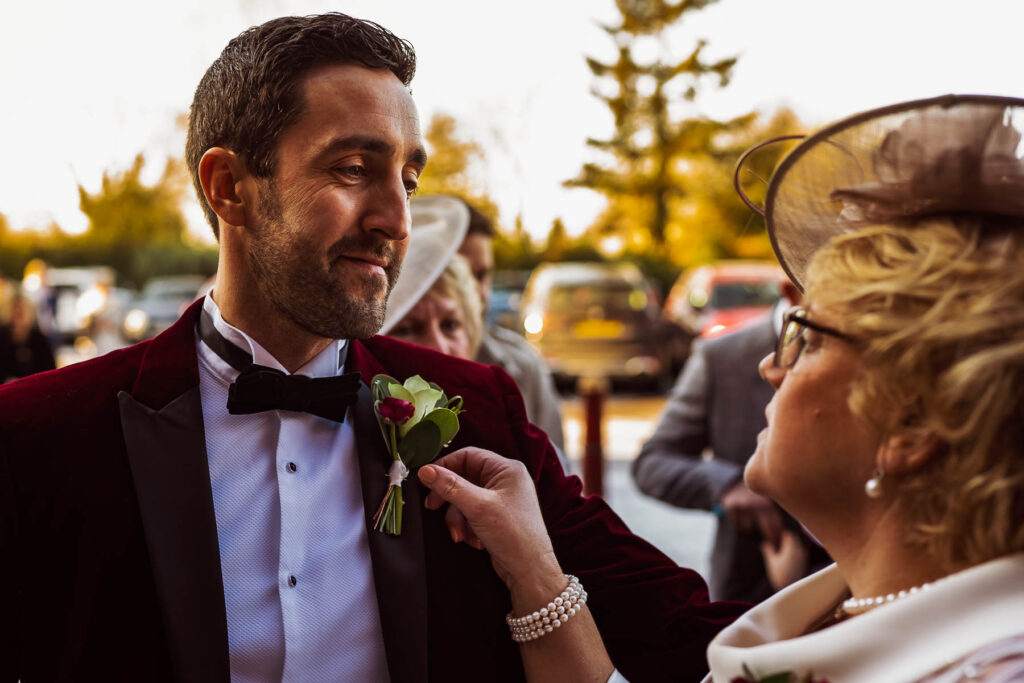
(941, 306)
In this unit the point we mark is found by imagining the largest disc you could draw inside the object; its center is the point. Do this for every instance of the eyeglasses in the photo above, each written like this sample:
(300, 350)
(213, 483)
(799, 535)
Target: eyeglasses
(794, 332)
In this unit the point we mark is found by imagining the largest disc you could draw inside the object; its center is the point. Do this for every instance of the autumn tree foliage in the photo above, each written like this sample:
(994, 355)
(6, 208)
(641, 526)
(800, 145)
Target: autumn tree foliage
(134, 227)
(455, 166)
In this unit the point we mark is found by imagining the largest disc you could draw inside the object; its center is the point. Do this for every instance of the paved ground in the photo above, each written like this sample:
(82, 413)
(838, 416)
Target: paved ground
(683, 535)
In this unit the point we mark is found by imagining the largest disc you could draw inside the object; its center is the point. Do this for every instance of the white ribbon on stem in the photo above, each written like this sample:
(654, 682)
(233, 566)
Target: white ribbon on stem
(397, 473)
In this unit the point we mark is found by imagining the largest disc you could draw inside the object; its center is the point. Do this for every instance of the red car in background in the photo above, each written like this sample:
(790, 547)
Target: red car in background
(713, 299)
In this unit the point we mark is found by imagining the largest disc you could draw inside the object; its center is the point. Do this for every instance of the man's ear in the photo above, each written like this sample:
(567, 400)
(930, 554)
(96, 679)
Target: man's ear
(907, 452)
(220, 172)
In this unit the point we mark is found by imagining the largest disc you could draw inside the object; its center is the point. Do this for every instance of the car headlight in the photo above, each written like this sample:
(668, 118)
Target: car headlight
(89, 303)
(136, 322)
(533, 323)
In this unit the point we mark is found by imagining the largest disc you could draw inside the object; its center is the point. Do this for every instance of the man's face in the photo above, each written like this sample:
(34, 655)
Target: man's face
(477, 250)
(331, 225)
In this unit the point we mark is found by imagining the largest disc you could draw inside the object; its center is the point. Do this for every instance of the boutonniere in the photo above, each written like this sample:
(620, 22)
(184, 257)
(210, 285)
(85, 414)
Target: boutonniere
(779, 677)
(417, 420)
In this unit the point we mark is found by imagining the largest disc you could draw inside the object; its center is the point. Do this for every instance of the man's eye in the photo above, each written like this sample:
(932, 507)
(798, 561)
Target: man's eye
(353, 171)
(411, 187)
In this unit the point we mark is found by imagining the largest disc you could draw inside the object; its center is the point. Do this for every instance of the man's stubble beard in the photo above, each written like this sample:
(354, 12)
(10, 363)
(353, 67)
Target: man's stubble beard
(290, 275)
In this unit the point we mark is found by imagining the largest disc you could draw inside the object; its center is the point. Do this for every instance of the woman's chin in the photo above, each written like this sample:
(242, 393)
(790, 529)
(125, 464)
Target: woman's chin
(753, 473)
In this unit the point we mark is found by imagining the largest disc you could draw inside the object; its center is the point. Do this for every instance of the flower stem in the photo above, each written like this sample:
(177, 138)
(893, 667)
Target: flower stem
(393, 446)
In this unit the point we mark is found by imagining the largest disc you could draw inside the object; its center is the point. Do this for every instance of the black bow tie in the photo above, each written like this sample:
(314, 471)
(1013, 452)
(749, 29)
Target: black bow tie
(260, 388)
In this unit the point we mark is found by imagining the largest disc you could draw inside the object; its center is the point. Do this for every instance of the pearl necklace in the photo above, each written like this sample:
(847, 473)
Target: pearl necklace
(852, 606)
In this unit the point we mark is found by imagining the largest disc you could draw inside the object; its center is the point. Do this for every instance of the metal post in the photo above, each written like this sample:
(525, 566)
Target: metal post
(593, 390)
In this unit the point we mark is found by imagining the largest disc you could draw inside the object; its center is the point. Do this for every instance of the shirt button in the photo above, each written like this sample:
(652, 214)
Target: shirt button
(292, 467)
(292, 581)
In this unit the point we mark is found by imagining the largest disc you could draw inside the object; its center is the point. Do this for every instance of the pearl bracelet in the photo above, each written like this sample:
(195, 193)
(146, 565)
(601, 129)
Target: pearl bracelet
(552, 616)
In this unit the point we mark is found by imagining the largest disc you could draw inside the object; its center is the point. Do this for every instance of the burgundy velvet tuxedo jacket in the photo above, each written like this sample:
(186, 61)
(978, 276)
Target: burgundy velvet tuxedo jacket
(109, 564)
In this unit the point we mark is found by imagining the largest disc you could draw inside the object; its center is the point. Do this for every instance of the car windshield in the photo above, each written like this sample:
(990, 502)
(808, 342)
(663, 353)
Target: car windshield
(171, 289)
(744, 294)
(611, 296)
(170, 293)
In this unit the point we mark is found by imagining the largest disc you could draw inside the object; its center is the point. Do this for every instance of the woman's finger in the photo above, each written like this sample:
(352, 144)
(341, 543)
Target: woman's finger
(458, 527)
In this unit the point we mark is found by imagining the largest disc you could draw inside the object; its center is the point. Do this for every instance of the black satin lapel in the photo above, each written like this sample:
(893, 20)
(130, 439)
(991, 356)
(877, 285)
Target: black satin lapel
(167, 452)
(399, 570)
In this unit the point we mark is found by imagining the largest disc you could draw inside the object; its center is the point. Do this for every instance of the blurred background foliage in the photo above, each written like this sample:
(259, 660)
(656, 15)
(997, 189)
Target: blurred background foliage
(665, 170)
(137, 229)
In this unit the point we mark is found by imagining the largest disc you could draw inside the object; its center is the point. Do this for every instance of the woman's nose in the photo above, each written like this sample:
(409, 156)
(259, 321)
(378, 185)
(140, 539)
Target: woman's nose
(770, 372)
(434, 339)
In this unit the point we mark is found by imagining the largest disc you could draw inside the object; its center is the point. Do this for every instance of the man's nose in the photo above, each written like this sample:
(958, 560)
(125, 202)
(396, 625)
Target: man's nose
(389, 212)
(770, 372)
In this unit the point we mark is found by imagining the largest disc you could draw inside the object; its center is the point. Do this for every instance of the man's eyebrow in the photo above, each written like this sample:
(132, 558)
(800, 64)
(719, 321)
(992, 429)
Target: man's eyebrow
(369, 144)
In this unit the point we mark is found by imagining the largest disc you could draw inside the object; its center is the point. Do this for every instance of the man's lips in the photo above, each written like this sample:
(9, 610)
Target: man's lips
(371, 263)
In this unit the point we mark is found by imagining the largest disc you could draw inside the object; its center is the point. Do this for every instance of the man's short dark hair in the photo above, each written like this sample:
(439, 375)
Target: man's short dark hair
(252, 93)
(479, 224)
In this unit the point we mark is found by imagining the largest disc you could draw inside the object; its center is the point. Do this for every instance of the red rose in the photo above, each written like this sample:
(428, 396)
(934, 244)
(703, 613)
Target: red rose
(395, 410)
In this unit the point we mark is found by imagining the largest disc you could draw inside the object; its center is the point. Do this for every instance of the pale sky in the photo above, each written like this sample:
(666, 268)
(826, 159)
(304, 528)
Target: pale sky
(85, 86)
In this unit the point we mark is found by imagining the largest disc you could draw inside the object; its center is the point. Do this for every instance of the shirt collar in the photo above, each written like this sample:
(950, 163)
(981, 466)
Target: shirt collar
(327, 363)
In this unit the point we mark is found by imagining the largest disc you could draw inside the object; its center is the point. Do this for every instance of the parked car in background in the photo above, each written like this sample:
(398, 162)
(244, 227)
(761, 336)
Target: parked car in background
(159, 304)
(600, 319)
(80, 298)
(711, 300)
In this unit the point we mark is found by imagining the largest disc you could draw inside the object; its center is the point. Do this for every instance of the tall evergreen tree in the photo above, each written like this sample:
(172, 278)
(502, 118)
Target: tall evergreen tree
(652, 152)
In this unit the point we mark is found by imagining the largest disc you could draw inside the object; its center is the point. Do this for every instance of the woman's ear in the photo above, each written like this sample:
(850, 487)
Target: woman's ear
(907, 452)
(220, 172)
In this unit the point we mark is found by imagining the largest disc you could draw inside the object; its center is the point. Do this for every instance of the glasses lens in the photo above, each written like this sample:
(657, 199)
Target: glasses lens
(791, 343)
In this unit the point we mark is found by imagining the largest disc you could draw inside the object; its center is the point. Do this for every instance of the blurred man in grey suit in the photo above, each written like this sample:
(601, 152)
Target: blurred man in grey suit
(718, 403)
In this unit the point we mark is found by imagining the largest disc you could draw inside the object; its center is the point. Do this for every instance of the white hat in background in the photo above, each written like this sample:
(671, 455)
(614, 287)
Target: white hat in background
(439, 225)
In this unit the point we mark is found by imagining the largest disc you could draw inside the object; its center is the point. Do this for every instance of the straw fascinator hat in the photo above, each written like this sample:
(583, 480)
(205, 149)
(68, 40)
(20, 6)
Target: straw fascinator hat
(439, 225)
(951, 155)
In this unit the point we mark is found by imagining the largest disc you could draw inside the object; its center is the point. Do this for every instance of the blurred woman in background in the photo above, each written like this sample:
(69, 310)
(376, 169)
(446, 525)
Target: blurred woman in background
(24, 349)
(436, 301)
(896, 433)
(448, 317)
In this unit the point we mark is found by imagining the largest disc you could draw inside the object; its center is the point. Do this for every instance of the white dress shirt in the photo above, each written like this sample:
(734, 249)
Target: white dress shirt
(298, 580)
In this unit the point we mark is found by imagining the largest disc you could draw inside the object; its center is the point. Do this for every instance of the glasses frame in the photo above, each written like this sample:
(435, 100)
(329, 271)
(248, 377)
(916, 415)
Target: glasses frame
(796, 314)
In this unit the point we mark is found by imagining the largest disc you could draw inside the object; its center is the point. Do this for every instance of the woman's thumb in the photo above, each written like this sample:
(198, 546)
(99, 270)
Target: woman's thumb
(445, 483)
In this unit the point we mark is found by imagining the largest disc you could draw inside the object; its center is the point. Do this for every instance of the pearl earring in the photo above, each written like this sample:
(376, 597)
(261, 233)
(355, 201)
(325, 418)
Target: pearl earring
(873, 486)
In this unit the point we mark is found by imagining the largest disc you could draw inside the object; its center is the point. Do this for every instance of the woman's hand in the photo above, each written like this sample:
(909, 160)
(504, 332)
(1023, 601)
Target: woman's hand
(787, 563)
(494, 506)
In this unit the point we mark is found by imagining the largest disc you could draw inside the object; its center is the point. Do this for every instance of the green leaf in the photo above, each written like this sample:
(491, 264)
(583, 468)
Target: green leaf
(781, 677)
(379, 386)
(416, 384)
(447, 422)
(420, 445)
